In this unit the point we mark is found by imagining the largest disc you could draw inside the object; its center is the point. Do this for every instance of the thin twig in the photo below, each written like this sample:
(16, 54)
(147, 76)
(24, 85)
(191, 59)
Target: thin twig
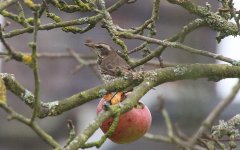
(6, 45)
(193, 25)
(215, 113)
(81, 21)
(58, 55)
(154, 17)
(138, 48)
(106, 135)
(72, 132)
(112, 29)
(10, 51)
(82, 62)
(179, 46)
(6, 4)
(36, 105)
(38, 130)
(171, 137)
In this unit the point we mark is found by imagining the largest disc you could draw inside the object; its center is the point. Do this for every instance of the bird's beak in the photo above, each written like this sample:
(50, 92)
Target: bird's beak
(93, 47)
(89, 44)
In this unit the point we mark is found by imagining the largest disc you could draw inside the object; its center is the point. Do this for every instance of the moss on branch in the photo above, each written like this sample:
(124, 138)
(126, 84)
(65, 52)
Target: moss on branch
(85, 20)
(213, 20)
(142, 81)
(152, 79)
(180, 72)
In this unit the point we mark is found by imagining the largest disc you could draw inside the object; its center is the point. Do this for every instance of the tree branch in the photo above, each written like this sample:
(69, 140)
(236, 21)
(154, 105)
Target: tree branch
(81, 21)
(35, 127)
(180, 72)
(214, 114)
(6, 4)
(179, 46)
(213, 20)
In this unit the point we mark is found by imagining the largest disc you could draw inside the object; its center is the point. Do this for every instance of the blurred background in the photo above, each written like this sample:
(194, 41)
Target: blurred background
(188, 102)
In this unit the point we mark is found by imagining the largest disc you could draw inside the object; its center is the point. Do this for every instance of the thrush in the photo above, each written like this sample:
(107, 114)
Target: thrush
(110, 66)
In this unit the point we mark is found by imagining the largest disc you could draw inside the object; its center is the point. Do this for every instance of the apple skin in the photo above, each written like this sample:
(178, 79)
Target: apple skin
(131, 126)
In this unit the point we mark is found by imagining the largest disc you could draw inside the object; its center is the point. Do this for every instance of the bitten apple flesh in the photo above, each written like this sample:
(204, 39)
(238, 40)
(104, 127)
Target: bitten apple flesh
(131, 126)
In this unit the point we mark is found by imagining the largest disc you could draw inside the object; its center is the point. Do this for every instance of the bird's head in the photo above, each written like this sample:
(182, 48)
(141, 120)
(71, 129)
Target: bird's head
(101, 49)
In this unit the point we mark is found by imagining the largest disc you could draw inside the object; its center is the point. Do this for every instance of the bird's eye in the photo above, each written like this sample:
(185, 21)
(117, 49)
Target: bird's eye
(102, 49)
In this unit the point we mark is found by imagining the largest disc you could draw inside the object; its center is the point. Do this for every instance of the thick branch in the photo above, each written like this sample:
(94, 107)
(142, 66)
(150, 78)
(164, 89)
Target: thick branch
(213, 20)
(179, 72)
(58, 107)
(129, 103)
(153, 79)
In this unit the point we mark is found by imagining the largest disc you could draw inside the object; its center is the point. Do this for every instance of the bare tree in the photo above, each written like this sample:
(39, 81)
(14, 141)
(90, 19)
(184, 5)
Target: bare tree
(97, 12)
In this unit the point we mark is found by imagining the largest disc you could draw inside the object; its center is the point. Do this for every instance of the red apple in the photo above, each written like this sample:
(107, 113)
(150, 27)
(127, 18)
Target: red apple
(131, 126)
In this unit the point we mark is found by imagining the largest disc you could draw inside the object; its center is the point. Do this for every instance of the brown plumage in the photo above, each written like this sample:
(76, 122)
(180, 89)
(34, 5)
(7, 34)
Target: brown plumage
(110, 64)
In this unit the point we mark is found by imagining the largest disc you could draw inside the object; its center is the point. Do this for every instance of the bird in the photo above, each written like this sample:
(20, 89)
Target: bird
(111, 66)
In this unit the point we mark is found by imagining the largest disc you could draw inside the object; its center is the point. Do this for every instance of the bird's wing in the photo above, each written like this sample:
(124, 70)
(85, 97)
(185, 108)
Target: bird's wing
(116, 67)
